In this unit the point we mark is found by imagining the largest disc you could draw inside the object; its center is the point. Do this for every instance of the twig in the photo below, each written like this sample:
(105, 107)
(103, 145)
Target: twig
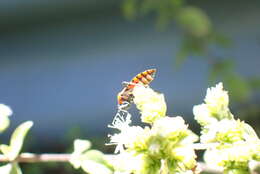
(36, 158)
(41, 158)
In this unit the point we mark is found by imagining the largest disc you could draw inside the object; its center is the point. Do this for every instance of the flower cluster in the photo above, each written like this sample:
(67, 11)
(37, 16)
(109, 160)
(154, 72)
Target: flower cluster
(233, 142)
(151, 104)
(165, 146)
(215, 107)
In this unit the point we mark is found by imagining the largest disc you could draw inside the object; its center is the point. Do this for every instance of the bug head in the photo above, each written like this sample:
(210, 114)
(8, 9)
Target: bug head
(119, 98)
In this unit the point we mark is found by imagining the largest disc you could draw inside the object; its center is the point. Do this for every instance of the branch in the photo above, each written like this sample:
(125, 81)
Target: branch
(41, 158)
(36, 158)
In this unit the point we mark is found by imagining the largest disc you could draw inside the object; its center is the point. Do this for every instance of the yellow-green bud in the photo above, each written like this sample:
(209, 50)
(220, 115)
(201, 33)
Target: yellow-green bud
(150, 103)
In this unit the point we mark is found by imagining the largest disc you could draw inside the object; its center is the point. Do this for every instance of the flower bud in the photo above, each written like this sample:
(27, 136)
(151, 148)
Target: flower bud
(150, 103)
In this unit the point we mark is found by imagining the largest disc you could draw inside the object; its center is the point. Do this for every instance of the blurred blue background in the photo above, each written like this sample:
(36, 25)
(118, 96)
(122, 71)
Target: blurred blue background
(62, 62)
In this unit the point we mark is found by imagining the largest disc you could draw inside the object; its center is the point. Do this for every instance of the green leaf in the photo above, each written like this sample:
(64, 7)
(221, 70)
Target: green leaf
(16, 169)
(80, 147)
(238, 87)
(130, 9)
(194, 21)
(4, 123)
(220, 68)
(181, 55)
(16, 142)
(93, 167)
(221, 40)
(11, 168)
(95, 155)
(254, 82)
(5, 149)
(5, 112)
(93, 162)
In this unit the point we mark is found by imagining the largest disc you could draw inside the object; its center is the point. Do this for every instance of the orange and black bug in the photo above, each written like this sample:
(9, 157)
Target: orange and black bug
(125, 97)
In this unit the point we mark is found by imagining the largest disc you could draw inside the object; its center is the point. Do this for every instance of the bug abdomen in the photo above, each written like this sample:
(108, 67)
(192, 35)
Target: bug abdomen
(144, 77)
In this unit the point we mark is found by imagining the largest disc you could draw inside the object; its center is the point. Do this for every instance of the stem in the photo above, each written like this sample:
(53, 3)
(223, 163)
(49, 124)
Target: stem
(36, 158)
(41, 158)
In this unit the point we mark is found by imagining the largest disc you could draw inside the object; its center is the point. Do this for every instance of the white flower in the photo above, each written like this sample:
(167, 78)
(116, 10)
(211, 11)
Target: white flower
(127, 162)
(215, 107)
(129, 136)
(121, 120)
(202, 115)
(185, 172)
(169, 126)
(240, 152)
(217, 102)
(190, 139)
(225, 131)
(151, 104)
(144, 94)
(249, 134)
(155, 147)
(213, 159)
(186, 155)
(256, 155)
(216, 96)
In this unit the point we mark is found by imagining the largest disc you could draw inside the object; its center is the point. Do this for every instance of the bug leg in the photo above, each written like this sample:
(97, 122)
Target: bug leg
(124, 106)
(125, 83)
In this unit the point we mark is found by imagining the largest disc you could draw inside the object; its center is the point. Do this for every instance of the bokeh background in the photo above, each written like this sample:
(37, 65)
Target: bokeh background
(62, 62)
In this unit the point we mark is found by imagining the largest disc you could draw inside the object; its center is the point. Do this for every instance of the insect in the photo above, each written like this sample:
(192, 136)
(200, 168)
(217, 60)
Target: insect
(125, 97)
